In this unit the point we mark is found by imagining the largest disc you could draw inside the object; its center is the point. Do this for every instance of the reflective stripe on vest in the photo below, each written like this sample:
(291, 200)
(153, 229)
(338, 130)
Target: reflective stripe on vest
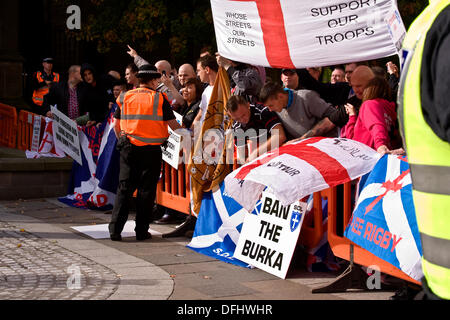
(429, 159)
(38, 94)
(431, 179)
(148, 140)
(142, 117)
(120, 99)
(153, 116)
(436, 250)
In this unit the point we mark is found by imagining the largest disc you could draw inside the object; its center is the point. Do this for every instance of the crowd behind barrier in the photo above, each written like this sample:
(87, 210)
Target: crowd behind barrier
(174, 186)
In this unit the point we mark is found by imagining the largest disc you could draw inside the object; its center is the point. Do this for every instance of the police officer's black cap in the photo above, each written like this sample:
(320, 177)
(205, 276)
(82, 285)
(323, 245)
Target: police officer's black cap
(288, 70)
(48, 60)
(148, 71)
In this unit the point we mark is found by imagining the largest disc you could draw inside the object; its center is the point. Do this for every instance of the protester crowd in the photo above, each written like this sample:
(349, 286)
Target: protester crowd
(355, 101)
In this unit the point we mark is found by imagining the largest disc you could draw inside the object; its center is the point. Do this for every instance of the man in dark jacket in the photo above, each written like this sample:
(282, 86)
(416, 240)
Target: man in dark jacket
(96, 95)
(66, 95)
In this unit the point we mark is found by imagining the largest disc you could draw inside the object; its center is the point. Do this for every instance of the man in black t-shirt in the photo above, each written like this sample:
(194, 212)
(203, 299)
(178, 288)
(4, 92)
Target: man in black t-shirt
(255, 123)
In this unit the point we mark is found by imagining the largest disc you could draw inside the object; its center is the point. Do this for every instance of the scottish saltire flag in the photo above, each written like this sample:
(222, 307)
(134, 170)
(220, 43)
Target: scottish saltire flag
(384, 219)
(218, 226)
(94, 184)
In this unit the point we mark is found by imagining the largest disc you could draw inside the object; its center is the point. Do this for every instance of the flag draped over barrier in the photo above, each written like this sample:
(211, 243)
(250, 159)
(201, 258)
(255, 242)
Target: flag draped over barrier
(204, 169)
(299, 169)
(384, 220)
(47, 147)
(298, 34)
(94, 184)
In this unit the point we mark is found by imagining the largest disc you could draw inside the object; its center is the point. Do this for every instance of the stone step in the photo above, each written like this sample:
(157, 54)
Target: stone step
(22, 178)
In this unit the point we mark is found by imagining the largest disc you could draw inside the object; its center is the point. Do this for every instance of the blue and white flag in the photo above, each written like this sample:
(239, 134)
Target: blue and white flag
(218, 226)
(384, 219)
(94, 184)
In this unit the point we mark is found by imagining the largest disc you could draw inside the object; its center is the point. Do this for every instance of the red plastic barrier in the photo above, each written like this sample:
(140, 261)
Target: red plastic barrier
(173, 188)
(341, 245)
(8, 126)
(25, 129)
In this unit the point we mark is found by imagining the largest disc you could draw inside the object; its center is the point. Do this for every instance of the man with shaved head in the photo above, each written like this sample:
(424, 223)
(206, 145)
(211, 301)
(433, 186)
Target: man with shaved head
(165, 82)
(360, 78)
(186, 72)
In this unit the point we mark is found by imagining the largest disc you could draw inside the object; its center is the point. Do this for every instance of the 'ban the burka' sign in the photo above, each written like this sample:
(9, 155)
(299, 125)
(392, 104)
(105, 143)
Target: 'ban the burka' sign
(268, 238)
(298, 33)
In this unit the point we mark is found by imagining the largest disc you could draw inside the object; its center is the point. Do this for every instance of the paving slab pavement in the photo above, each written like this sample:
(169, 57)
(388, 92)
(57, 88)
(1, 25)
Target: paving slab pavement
(42, 257)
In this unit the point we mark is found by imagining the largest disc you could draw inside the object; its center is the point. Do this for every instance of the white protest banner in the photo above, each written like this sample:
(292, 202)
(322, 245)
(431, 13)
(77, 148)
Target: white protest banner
(299, 34)
(65, 135)
(171, 152)
(268, 240)
(35, 141)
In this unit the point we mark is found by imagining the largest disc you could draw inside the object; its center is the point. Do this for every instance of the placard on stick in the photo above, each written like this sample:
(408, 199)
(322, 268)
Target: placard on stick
(65, 135)
(268, 240)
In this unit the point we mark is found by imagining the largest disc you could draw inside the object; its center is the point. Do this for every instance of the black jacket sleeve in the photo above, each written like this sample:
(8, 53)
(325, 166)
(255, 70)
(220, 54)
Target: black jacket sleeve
(51, 98)
(435, 80)
(332, 93)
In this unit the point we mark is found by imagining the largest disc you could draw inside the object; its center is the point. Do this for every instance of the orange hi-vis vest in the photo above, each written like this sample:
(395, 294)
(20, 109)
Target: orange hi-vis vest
(38, 94)
(141, 117)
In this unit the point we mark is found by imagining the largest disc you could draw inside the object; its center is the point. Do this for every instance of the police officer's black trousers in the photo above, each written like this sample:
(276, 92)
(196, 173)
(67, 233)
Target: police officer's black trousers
(139, 168)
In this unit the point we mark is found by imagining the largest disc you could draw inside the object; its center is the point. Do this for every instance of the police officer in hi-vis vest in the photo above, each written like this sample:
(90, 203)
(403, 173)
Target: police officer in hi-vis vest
(141, 126)
(424, 113)
(42, 80)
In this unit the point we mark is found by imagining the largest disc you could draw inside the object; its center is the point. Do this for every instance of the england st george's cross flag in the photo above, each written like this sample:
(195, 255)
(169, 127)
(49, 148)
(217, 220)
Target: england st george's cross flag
(384, 220)
(298, 34)
(299, 169)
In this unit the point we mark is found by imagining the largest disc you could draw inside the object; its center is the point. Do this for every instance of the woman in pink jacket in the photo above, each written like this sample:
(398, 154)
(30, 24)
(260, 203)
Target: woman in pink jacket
(375, 125)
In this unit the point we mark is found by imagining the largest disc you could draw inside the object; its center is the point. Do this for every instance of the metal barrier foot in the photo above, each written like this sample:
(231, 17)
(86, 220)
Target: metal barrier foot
(183, 229)
(352, 278)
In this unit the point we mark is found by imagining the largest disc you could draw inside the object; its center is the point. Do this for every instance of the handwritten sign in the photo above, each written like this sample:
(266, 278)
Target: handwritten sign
(65, 135)
(268, 239)
(171, 150)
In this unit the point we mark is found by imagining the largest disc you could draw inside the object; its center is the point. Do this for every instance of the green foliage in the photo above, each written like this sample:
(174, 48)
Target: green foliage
(175, 30)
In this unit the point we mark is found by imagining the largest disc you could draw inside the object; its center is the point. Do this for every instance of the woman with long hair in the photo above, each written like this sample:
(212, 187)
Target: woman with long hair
(376, 124)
